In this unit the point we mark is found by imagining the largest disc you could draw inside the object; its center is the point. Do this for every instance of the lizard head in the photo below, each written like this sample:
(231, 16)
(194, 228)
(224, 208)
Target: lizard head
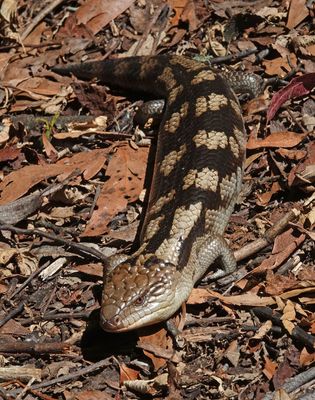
(138, 293)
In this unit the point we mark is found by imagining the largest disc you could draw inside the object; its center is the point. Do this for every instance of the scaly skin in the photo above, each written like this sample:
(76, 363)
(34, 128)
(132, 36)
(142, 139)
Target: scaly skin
(196, 180)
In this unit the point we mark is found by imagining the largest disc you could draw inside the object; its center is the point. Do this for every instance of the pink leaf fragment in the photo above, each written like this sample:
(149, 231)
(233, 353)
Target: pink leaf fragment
(297, 87)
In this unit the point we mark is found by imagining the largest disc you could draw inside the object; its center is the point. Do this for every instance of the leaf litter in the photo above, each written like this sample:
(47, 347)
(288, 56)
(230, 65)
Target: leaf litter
(248, 336)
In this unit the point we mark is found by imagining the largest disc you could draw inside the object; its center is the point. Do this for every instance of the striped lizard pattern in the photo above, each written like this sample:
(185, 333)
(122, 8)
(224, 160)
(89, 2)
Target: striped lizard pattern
(196, 181)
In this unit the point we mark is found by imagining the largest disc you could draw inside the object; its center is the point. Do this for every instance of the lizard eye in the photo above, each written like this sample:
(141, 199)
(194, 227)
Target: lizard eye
(139, 300)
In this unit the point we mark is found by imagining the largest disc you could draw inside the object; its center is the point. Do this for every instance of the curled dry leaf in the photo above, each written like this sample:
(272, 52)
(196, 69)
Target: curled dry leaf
(6, 255)
(279, 256)
(27, 263)
(280, 66)
(246, 299)
(304, 171)
(152, 386)
(8, 9)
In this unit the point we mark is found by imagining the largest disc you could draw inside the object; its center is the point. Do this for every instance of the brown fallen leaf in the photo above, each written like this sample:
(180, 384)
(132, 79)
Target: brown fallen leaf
(17, 183)
(232, 353)
(178, 6)
(198, 296)
(269, 367)
(288, 316)
(297, 292)
(280, 66)
(263, 330)
(282, 373)
(276, 139)
(247, 299)
(307, 358)
(297, 13)
(14, 328)
(127, 373)
(264, 198)
(3, 288)
(9, 153)
(304, 171)
(158, 346)
(88, 395)
(277, 258)
(95, 269)
(126, 171)
(292, 154)
(40, 86)
(96, 14)
(50, 150)
(277, 284)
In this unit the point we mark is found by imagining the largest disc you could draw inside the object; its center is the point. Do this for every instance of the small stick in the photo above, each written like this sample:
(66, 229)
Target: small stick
(12, 314)
(28, 280)
(76, 246)
(59, 316)
(34, 348)
(297, 333)
(96, 196)
(40, 16)
(295, 382)
(230, 57)
(268, 238)
(74, 375)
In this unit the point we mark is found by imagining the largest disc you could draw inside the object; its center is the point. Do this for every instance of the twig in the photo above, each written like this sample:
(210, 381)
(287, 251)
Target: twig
(295, 382)
(308, 396)
(230, 57)
(12, 314)
(34, 348)
(60, 316)
(254, 247)
(77, 246)
(28, 280)
(73, 375)
(268, 238)
(32, 46)
(96, 196)
(17, 210)
(25, 390)
(295, 120)
(150, 24)
(297, 333)
(41, 15)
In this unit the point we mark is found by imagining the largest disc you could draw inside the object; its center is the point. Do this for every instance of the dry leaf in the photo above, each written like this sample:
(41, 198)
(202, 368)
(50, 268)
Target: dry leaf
(269, 367)
(126, 171)
(276, 139)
